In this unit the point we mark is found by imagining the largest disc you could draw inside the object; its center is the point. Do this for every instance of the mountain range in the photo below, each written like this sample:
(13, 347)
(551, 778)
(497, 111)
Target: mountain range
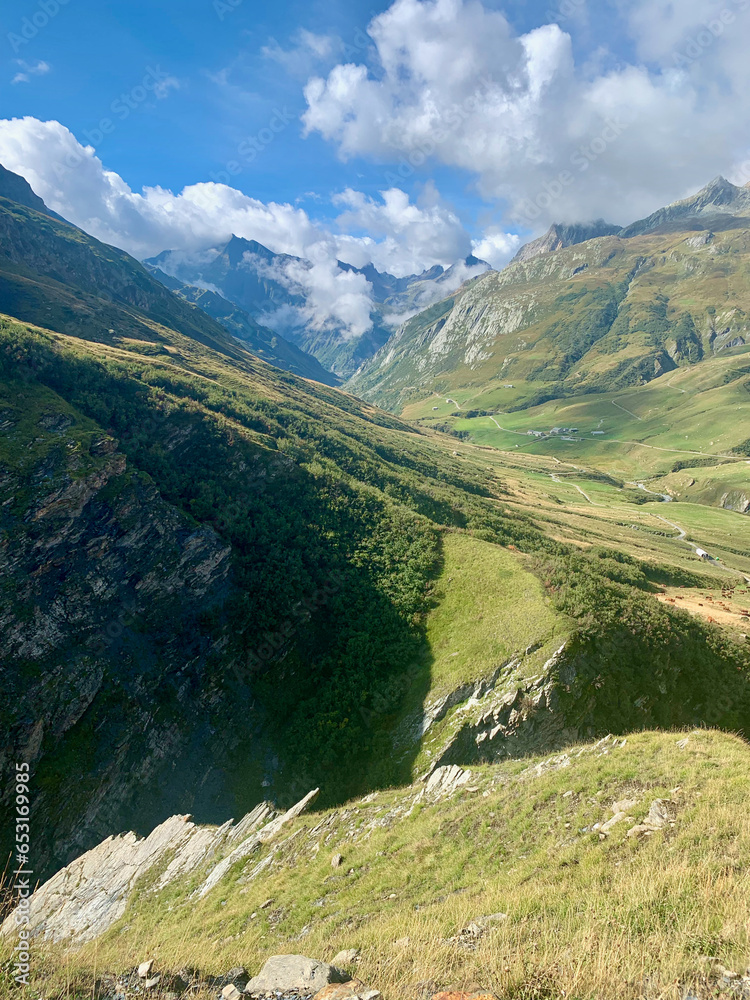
(271, 288)
(220, 578)
(232, 590)
(584, 309)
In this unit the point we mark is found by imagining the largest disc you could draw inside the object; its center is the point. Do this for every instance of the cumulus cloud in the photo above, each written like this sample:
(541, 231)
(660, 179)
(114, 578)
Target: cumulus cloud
(328, 299)
(452, 83)
(496, 247)
(412, 237)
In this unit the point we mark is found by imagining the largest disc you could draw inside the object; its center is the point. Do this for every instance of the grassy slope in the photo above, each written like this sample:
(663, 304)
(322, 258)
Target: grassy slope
(695, 412)
(586, 916)
(489, 609)
(606, 315)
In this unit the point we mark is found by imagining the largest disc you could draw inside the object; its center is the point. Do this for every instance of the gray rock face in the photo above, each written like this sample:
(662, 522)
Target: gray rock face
(294, 972)
(101, 561)
(445, 781)
(560, 236)
(88, 896)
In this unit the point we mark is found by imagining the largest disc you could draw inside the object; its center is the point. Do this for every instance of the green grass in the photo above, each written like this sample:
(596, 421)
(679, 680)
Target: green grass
(489, 609)
(719, 485)
(694, 412)
(586, 916)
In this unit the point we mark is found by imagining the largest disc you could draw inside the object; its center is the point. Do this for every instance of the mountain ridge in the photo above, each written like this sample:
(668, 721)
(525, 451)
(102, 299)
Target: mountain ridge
(266, 286)
(611, 312)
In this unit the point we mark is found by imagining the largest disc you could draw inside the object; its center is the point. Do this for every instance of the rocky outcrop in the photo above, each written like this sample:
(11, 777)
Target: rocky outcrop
(285, 973)
(88, 896)
(104, 583)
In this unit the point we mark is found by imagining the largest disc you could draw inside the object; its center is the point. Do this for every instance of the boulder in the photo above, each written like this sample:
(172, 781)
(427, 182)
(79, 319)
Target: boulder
(294, 972)
(144, 969)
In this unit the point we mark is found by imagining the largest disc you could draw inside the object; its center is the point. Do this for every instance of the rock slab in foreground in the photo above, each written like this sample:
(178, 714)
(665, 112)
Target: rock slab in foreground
(294, 972)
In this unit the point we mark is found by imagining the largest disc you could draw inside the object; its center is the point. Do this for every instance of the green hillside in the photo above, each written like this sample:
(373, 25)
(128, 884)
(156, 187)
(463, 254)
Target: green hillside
(607, 315)
(223, 583)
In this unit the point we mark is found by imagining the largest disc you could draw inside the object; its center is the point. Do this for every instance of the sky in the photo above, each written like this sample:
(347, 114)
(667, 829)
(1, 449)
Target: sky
(406, 134)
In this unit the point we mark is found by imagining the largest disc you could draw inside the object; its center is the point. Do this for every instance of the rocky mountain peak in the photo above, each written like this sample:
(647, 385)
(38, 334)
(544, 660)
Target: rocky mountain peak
(720, 198)
(561, 235)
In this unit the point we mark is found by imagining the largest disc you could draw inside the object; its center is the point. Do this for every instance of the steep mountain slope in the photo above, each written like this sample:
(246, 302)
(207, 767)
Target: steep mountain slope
(271, 288)
(560, 236)
(16, 188)
(609, 313)
(222, 582)
(259, 340)
(714, 205)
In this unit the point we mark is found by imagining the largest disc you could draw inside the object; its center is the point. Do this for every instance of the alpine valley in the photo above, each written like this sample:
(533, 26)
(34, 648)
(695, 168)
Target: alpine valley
(454, 613)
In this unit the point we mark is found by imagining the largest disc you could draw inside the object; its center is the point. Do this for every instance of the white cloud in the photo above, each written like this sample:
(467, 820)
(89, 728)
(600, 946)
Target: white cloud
(496, 247)
(332, 299)
(393, 233)
(412, 237)
(308, 51)
(165, 85)
(27, 70)
(453, 84)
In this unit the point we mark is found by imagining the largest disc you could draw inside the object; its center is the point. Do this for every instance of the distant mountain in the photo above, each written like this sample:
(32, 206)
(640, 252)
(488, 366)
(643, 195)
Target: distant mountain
(261, 341)
(718, 202)
(269, 287)
(575, 315)
(559, 236)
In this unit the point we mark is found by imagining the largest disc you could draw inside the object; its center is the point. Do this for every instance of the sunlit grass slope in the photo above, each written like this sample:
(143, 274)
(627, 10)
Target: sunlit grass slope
(588, 915)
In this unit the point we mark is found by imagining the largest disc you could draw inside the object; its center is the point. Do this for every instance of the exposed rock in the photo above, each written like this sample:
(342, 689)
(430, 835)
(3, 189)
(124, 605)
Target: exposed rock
(144, 969)
(618, 817)
(152, 983)
(446, 780)
(294, 972)
(347, 991)
(470, 935)
(85, 898)
(345, 957)
(230, 992)
(337, 860)
(624, 805)
(659, 816)
(560, 236)
(253, 843)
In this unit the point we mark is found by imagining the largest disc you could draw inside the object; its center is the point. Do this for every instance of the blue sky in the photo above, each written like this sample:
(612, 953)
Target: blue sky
(205, 79)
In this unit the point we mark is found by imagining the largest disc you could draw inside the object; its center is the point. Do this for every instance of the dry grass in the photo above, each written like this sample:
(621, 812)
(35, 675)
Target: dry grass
(619, 917)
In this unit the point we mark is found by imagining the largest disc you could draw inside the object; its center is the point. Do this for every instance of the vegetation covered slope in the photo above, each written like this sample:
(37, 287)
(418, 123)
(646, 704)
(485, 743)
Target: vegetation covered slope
(218, 579)
(579, 910)
(607, 314)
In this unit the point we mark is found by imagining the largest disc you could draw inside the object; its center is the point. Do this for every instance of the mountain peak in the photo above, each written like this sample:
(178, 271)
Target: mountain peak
(561, 235)
(718, 198)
